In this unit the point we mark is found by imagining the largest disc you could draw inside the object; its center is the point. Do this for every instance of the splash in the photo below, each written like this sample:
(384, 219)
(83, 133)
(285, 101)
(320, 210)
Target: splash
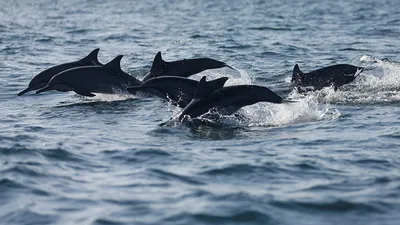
(264, 114)
(378, 84)
(108, 97)
(304, 110)
(235, 78)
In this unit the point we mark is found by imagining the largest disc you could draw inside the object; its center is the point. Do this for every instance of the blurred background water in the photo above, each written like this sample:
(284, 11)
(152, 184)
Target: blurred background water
(331, 158)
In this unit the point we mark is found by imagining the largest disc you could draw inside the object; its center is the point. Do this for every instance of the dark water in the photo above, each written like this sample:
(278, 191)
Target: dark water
(331, 158)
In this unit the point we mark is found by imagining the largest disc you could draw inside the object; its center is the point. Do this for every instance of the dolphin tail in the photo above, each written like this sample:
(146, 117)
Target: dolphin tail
(93, 57)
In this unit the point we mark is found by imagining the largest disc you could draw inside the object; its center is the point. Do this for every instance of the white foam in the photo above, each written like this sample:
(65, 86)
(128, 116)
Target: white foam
(379, 83)
(108, 97)
(235, 77)
(307, 109)
(304, 110)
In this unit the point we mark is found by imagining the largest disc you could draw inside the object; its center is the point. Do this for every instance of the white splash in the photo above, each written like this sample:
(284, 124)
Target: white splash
(378, 83)
(304, 110)
(108, 97)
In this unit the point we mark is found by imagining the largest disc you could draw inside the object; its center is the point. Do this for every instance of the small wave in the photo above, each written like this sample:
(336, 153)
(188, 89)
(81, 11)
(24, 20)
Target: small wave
(23, 170)
(79, 31)
(377, 164)
(137, 156)
(164, 175)
(335, 206)
(9, 187)
(238, 169)
(102, 221)
(263, 28)
(151, 153)
(242, 216)
(60, 155)
(9, 184)
(28, 216)
(16, 147)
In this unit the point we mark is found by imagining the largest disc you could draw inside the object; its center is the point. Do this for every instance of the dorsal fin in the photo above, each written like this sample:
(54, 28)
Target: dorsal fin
(93, 57)
(203, 88)
(156, 67)
(297, 75)
(216, 84)
(115, 64)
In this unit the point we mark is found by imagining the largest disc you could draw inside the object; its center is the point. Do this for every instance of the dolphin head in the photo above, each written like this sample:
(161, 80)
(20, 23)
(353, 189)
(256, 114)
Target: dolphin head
(36, 83)
(56, 83)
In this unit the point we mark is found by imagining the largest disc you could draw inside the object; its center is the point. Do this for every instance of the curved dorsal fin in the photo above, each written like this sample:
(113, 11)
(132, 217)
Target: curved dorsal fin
(216, 84)
(156, 67)
(93, 57)
(202, 88)
(297, 75)
(115, 64)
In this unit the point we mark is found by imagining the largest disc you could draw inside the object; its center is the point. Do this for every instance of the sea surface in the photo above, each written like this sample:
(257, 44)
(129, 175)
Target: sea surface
(330, 158)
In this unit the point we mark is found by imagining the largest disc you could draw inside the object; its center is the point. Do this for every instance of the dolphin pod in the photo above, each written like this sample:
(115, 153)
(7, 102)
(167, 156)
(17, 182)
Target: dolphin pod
(181, 68)
(169, 81)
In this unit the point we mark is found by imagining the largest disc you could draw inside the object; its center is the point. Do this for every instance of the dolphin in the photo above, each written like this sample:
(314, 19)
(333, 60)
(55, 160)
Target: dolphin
(86, 80)
(226, 100)
(41, 80)
(336, 76)
(179, 90)
(182, 68)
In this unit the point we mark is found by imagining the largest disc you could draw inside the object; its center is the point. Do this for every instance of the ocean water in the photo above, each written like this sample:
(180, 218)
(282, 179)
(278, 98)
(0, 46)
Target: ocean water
(331, 158)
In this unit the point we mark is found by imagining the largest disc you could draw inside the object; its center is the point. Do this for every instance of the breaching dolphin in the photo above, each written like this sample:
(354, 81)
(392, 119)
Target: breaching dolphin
(86, 80)
(182, 68)
(41, 80)
(227, 100)
(179, 90)
(336, 76)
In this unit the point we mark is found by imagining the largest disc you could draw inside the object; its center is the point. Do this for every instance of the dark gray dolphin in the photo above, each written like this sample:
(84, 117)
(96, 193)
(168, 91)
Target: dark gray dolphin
(336, 76)
(227, 100)
(182, 68)
(41, 80)
(86, 80)
(179, 90)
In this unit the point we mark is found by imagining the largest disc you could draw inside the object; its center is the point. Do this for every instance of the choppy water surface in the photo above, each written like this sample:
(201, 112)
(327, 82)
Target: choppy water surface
(330, 158)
